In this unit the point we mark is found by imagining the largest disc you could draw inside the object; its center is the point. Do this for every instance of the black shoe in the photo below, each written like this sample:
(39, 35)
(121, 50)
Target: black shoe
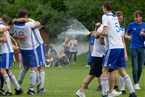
(40, 91)
(8, 94)
(31, 92)
(1, 94)
(99, 88)
(124, 92)
(2, 90)
(132, 95)
(116, 88)
(18, 92)
(104, 96)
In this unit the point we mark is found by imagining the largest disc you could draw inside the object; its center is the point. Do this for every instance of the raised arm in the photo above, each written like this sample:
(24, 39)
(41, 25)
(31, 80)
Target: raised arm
(20, 20)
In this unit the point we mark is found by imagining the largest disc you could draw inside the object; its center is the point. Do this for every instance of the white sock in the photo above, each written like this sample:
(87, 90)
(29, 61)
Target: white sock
(129, 83)
(14, 81)
(105, 86)
(122, 83)
(42, 78)
(22, 75)
(38, 78)
(33, 78)
(7, 82)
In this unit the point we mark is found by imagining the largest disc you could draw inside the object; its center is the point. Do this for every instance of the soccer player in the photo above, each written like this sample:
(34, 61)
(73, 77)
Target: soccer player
(114, 56)
(7, 52)
(135, 33)
(27, 42)
(42, 58)
(119, 15)
(96, 68)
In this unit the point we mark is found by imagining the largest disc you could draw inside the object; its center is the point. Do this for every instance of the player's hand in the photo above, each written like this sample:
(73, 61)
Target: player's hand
(126, 57)
(129, 37)
(97, 35)
(142, 31)
(16, 48)
(22, 37)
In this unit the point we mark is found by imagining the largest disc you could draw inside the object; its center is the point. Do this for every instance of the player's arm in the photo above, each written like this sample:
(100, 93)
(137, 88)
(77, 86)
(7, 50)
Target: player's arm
(91, 48)
(128, 36)
(20, 20)
(37, 24)
(3, 38)
(125, 51)
(19, 37)
(102, 40)
(3, 29)
(103, 33)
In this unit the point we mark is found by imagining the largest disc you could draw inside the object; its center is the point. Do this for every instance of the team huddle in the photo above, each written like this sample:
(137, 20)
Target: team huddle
(31, 47)
(109, 53)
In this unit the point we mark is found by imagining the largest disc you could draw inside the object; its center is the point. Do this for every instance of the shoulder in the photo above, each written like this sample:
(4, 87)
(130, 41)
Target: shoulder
(132, 24)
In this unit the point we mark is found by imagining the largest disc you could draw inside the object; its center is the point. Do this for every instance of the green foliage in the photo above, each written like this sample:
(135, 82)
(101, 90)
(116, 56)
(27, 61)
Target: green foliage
(88, 12)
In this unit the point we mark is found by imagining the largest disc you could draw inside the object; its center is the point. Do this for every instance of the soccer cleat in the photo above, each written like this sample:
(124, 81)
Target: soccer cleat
(99, 88)
(31, 92)
(40, 91)
(1, 94)
(132, 95)
(18, 92)
(8, 94)
(124, 92)
(137, 87)
(80, 94)
(114, 93)
(104, 96)
(1, 90)
(116, 88)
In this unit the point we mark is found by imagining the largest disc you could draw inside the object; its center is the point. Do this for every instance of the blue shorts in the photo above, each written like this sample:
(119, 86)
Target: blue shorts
(29, 58)
(41, 54)
(6, 60)
(114, 58)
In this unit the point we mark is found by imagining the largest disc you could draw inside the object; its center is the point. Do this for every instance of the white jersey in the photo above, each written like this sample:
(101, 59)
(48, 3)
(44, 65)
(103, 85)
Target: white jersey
(26, 30)
(74, 44)
(122, 31)
(37, 34)
(6, 47)
(113, 39)
(99, 49)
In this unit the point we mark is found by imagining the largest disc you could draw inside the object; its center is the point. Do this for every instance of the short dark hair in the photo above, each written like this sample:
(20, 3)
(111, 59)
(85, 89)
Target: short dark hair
(119, 13)
(6, 18)
(108, 5)
(22, 13)
(138, 13)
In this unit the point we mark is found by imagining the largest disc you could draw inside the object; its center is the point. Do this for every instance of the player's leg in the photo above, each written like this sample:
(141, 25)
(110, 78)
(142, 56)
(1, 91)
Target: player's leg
(41, 73)
(5, 57)
(121, 68)
(22, 74)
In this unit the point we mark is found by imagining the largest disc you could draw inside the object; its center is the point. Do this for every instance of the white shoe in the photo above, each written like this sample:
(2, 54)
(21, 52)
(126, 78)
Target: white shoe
(114, 93)
(80, 94)
(137, 87)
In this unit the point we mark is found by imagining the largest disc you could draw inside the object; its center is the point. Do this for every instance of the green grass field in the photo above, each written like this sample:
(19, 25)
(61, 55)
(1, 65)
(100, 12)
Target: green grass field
(65, 81)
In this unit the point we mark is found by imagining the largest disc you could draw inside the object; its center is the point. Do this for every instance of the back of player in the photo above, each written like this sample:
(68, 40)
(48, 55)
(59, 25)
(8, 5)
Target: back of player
(113, 38)
(27, 47)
